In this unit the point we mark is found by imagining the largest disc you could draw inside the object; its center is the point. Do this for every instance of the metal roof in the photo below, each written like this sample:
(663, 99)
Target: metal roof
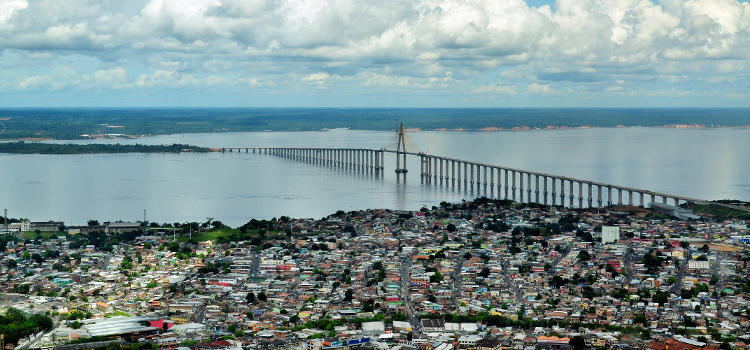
(116, 326)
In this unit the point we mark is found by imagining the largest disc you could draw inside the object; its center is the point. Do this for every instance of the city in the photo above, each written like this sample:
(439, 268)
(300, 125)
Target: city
(483, 274)
(374, 175)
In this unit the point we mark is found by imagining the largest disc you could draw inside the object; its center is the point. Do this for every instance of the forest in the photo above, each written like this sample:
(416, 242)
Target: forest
(74, 123)
(15, 324)
(21, 147)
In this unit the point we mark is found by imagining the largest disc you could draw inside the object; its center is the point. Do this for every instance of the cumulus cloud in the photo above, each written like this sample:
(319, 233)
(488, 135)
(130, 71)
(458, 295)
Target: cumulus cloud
(497, 89)
(413, 44)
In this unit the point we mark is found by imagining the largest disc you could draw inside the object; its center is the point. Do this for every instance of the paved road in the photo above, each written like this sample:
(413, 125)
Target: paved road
(405, 278)
(553, 270)
(626, 261)
(716, 271)
(511, 284)
(675, 289)
(457, 279)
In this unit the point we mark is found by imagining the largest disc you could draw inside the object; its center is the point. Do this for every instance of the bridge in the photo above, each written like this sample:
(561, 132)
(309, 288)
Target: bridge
(514, 184)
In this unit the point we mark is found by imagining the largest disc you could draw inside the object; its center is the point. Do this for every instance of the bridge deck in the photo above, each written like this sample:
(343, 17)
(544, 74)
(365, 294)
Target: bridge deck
(520, 171)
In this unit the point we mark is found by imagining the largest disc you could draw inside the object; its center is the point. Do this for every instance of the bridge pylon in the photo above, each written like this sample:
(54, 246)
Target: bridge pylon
(401, 151)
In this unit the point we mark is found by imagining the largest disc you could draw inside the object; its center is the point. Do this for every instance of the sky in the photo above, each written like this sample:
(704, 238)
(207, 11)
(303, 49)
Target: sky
(381, 53)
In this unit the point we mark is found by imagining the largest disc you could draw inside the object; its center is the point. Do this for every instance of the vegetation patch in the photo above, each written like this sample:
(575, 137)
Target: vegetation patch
(719, 212)
(21, 147)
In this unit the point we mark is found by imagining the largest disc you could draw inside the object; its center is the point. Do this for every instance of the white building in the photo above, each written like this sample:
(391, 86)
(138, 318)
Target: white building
(610, 234)
(373, 328)
(699, 265)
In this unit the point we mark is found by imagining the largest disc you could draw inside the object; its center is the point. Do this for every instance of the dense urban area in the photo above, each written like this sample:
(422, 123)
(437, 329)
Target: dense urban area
(485, 274)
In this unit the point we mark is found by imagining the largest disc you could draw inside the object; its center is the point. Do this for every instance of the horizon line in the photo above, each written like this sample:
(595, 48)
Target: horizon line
(364, 107)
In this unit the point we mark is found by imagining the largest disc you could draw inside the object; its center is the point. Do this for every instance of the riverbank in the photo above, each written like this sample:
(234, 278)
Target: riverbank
(22, 147)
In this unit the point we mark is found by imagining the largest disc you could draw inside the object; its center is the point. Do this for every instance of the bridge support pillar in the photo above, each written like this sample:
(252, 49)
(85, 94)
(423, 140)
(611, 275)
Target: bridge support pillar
(440, 160)
(562, 192)
(499, 186)
(528, 187)
(580, 195)
(435, 171)
(485, 179)
(536, 187)
(619, 196)
(428, 164)
(570, 193)
(421, 167)
(520, 187)
(467, 180)
(492, 180)
(590, 197)
(453, 172)
(545, 189)
(630, 197)
(478, 179)
(599, 194)
(513, 184)
(609, 195)
(472, 176)
(554, 191)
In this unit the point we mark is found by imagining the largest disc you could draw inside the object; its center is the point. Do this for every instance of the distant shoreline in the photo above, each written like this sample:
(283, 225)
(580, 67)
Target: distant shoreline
(486, 129)
(21, 147)
(76, 124)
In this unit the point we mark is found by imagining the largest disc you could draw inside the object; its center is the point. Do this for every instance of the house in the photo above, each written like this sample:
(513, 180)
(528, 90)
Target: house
(430, 325)
(121, 227)
(489, 344)
(469, 341)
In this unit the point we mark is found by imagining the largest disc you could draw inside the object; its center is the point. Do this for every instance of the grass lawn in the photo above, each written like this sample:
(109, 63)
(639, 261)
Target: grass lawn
(233, 234)
(42, 235)
(120, 313)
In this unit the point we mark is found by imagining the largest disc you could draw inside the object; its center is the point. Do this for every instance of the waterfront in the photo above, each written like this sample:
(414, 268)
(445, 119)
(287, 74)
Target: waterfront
(233, 187)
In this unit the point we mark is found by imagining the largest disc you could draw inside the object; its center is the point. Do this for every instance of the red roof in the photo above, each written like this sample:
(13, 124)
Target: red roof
(160, 324)
(677, 345)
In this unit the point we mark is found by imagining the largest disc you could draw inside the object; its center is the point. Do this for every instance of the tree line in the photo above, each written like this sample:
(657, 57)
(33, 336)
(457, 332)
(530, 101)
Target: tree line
(22, 147)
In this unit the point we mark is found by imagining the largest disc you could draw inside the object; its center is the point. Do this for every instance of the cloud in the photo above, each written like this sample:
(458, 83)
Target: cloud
(543, 89)
(496, 89)
(9, 7)
(316, 77)
(58, 79)
(414, 44)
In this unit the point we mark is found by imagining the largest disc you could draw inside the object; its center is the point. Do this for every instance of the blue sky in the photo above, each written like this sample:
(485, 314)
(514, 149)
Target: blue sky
(425, 53)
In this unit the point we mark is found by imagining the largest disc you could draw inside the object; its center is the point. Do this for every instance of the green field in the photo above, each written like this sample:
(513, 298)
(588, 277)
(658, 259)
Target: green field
(43, 235)
(121, 313)
(228, 235)
(720, 212)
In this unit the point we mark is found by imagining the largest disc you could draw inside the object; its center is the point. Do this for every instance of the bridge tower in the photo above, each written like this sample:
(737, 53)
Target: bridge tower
(401, 149)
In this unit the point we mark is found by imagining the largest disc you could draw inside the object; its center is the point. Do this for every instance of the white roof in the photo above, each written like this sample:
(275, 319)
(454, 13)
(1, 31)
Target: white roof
(373, 326)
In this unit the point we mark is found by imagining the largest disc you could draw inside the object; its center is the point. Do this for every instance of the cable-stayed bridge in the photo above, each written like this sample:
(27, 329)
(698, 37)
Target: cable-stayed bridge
(510, 183)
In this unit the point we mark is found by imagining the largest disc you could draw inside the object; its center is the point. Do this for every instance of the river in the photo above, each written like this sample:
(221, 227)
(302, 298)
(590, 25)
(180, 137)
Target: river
(235, 187)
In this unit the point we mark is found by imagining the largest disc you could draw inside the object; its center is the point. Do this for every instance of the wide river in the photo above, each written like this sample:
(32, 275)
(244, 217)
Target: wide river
(235, 187)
